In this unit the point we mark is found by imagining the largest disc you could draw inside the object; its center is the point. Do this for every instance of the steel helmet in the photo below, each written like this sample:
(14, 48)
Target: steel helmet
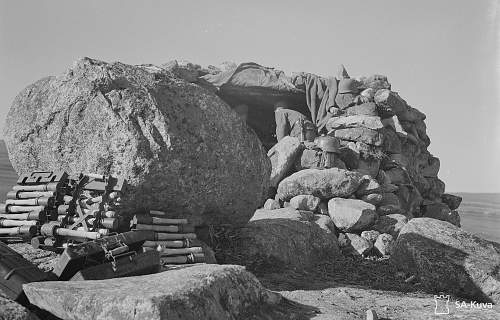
(328, 143)
(348, 86)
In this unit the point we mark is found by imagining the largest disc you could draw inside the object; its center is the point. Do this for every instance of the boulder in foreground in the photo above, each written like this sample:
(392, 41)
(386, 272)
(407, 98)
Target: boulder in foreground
(449, 259)
(288, 238)
(198, 292)
(181, 148)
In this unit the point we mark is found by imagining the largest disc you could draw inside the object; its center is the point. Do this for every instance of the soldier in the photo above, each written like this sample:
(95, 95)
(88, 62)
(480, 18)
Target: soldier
(292, 123)
(348, 94)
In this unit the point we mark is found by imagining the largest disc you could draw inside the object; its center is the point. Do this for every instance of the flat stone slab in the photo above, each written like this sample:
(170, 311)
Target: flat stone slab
(205, 291)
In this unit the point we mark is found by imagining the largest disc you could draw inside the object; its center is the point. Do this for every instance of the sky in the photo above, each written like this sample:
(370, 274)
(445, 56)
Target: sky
(442, 56)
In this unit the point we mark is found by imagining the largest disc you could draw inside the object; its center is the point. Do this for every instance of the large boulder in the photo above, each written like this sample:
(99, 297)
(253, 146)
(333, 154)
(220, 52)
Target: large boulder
(324, 184)
(449, 259)
(288, 237)
(350, 215)
(283, 155)
(181, 148)
(204, 291)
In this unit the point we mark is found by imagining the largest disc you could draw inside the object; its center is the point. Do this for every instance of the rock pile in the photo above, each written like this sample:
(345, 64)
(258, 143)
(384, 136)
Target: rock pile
(382, 177)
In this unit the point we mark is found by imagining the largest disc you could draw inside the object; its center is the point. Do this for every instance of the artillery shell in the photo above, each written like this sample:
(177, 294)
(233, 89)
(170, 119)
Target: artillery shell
(76, 233)
(17, 223)
(110, 223)
(16, 209)
(164, 228)
(30, 194)
(109, 214)
(191, 258)
(25, 216)
(180, 251)
(185, 243)
(156, 236)
(157, 213)
(31, 202)
(21, 230)
(142, 219)
(52, 186)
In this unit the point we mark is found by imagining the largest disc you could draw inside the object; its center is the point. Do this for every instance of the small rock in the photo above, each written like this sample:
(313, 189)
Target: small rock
(392, 143)
(350, 156)
(398, 176)
(441, 211)
(389, 103)
(305, 202)
(271, 204)
(376, 82)
(451, 200)
(368, 166)
(354, 121)
(389, 209)
(283, 155)
(359, 245)
(436, 189)
(371, 315)
(384, 244)
(361, 134)
(368, 185)
(431, 168)
(370, 235)
(368, 109)
(351, 214)
(369, 93)
(309, 159)
(390, 224)
(343, 240)
(323, 208)
(373, 198)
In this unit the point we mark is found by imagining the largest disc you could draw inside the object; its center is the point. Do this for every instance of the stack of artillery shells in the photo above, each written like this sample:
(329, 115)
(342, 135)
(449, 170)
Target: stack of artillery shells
(173, 238)
(26, 207)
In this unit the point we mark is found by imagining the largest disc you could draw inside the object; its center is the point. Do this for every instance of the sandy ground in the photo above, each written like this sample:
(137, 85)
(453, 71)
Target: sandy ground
(350, 288)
